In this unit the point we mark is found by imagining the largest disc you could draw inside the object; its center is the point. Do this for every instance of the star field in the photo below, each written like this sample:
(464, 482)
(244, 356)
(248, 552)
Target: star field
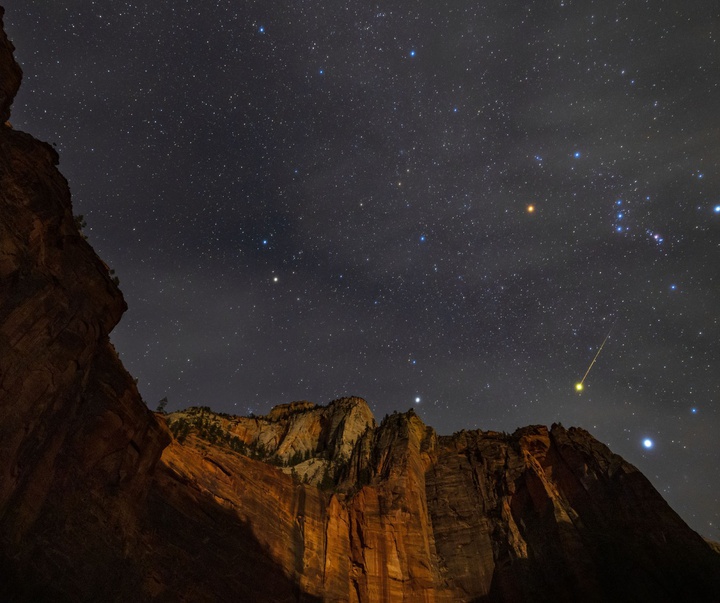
(439, 207)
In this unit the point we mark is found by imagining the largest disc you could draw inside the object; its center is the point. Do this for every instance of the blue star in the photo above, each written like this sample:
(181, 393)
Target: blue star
(673, 287)
(693, 411)
(265, 242)
(618, 202)
(412, 53)
(716, 209)
(577, 154)
(261, 29)
(647, 443)
(618, 228)
(322, 71)
(422, 238)
(655, 236)
(620, 216)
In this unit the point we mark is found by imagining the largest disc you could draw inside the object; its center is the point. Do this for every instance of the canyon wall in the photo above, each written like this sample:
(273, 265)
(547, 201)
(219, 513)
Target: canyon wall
(77, 445)
(537, 515)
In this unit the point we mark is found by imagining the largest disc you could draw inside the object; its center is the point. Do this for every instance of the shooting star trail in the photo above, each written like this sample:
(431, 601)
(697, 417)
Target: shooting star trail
(580, 385)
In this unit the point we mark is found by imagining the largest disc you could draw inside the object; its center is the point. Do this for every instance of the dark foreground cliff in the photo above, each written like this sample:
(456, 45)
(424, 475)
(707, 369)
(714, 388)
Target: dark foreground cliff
(101, 501)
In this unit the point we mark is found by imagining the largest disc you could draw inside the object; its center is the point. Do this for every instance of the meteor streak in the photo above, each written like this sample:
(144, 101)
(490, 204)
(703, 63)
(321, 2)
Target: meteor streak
(580, 385)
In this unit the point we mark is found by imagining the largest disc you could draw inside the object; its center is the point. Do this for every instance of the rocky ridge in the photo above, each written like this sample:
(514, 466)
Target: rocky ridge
(300, 437)
(538, 515)
(101, 501)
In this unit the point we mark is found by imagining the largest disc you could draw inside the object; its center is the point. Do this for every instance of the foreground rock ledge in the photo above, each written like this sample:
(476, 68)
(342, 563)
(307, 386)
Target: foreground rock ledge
(100, 501)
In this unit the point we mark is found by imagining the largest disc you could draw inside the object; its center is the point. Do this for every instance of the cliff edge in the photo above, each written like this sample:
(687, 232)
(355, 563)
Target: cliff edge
(77, 445)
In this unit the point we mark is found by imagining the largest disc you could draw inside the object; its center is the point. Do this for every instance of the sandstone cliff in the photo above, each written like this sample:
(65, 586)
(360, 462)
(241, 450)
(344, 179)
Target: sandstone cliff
(539, 515)
(76, 443)
(101, 501)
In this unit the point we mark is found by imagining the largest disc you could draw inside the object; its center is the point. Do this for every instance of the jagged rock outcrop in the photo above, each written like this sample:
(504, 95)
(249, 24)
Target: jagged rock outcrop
(555, 516)
(539, 515)
(72, 425)
(300, 436)
(100, 501)
(11, 73)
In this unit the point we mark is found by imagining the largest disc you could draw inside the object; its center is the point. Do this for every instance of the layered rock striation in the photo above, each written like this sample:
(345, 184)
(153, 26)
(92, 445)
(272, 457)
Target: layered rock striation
(308, 440)
(102, 500)
(538, 515)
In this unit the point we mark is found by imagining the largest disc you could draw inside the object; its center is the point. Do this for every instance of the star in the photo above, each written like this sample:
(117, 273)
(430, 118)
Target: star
(648, 443)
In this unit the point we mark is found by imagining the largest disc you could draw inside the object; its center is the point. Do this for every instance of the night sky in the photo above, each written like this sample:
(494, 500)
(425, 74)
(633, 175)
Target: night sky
(444, 206)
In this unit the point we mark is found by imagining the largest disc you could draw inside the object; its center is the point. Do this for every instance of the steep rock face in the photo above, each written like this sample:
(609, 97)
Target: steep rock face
(390, 534)
(539, 515)
(72, 425)
(11, 73)
(226, 527)
(555, 516)
(302, 437)
(365, 536)
(303, 427)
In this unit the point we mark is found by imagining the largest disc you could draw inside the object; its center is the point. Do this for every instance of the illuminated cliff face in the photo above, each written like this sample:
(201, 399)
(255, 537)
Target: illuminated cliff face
(98, 501)
(539, 515)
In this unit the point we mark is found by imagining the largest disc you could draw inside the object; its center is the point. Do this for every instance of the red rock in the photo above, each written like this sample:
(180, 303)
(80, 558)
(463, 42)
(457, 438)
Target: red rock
(10, 70)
